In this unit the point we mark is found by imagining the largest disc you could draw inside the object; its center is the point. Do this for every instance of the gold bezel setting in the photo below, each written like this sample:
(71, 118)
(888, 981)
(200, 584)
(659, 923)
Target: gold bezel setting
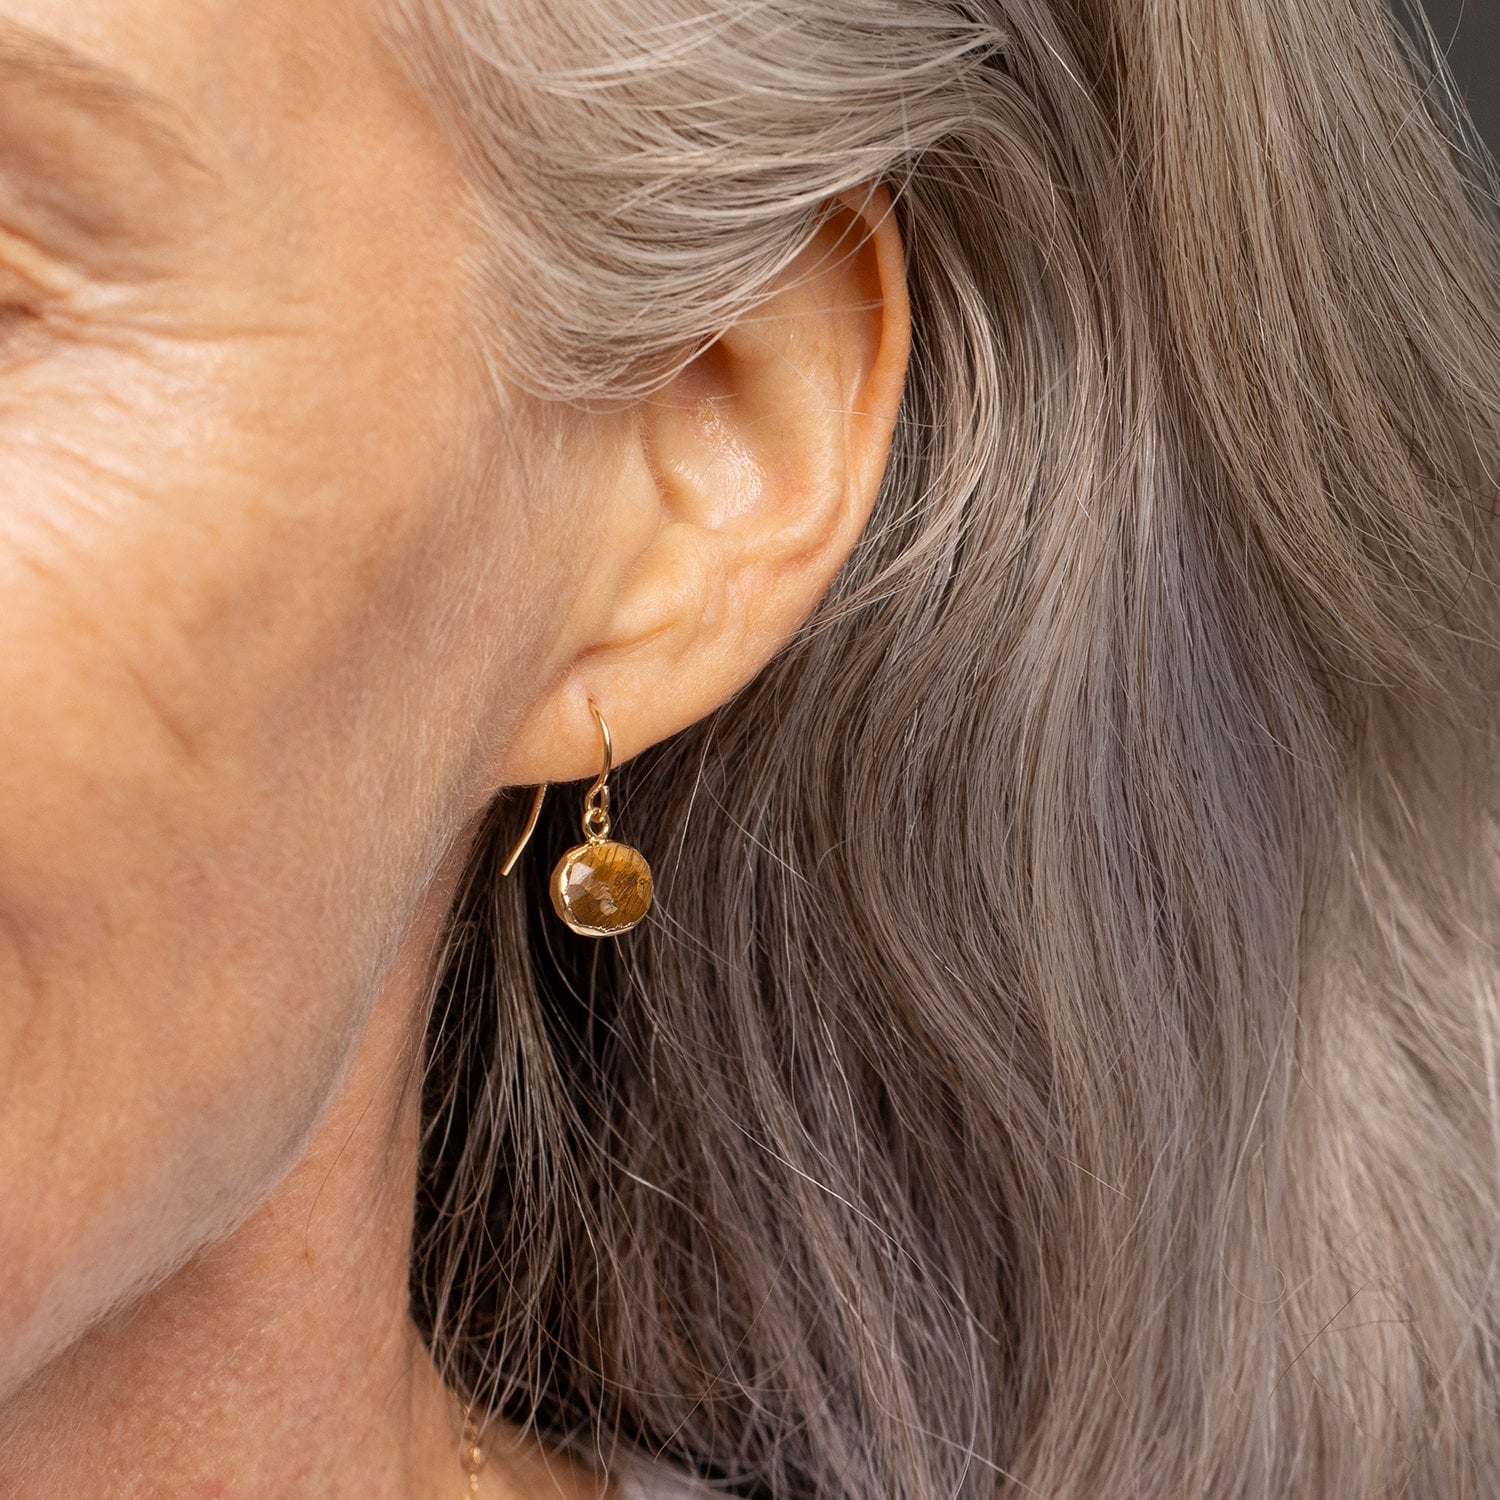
(627, 888)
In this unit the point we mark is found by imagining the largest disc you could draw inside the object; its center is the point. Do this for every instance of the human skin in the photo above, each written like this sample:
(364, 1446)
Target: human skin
(286, 596)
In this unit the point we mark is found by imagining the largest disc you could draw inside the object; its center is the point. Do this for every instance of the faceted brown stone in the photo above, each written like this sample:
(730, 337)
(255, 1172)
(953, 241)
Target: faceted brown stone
(601, 888)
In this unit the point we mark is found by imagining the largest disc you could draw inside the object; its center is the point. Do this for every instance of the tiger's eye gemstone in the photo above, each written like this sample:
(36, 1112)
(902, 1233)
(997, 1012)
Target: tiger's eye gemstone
(601, 888)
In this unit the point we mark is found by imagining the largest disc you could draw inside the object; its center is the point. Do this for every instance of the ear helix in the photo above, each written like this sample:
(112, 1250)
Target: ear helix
(601, 887)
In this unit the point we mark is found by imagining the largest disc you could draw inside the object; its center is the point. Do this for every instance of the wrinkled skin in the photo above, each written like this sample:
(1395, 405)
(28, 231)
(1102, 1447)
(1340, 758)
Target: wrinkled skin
(238, 515)
(287, 590)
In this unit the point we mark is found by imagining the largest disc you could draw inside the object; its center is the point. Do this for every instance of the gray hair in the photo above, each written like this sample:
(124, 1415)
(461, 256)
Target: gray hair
(1064, 1058)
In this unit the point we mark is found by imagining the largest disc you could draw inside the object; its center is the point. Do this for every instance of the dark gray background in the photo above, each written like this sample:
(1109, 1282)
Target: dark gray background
(1469, 34)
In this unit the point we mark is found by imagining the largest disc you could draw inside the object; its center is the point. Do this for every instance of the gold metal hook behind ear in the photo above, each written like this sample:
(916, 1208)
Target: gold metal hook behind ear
(530, 828)
(595, 800)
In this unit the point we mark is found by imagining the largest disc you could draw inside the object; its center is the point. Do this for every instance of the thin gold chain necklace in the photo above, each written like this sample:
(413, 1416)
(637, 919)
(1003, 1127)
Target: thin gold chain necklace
(473, 1456)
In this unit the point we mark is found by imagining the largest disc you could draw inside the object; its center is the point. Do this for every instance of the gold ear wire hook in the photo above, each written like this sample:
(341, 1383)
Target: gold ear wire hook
(609, 762)
(595, 800)
(536, 810)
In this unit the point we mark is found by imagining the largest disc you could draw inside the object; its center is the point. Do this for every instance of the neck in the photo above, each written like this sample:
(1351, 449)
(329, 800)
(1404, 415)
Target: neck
(281, 1360)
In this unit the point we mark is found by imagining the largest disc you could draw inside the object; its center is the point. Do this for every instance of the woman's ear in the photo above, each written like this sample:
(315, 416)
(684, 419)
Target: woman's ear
(740, 490)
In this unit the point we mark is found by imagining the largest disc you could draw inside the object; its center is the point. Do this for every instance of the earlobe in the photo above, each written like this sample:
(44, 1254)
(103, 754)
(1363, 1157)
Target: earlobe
(763, 460)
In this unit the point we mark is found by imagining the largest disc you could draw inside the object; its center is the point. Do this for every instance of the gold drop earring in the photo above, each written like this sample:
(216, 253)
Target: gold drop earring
(601, 887)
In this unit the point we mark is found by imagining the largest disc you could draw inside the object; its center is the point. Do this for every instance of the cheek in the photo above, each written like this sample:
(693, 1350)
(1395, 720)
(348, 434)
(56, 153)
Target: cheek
(225, 650)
